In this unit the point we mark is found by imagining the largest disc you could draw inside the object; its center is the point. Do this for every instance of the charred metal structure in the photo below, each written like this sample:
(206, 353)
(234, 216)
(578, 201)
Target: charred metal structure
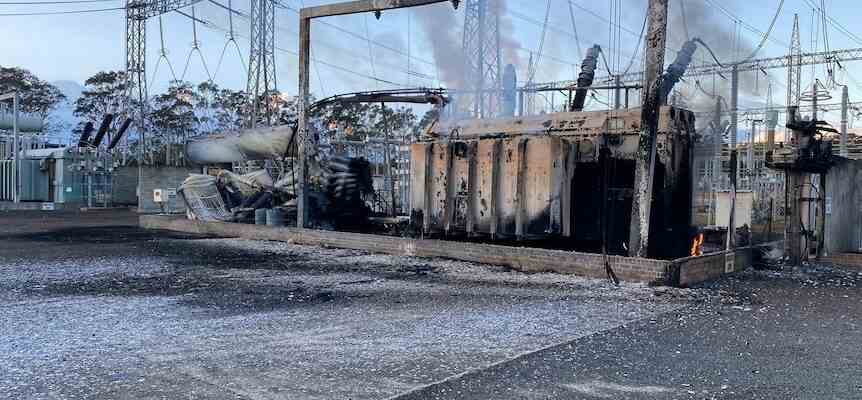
(566, 178)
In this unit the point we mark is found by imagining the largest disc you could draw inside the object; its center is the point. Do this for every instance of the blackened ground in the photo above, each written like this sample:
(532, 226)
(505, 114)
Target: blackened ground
(93, 307)
(794, 335)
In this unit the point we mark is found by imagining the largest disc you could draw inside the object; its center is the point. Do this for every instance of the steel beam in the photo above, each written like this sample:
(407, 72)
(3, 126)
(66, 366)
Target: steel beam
(815, 58)
(361, 6)
(306, 141)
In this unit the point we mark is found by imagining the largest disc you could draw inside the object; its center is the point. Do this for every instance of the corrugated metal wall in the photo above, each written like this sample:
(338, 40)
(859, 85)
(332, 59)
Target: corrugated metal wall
(7, 180)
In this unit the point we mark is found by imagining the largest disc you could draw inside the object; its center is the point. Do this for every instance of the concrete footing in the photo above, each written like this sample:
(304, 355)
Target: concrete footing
(682, 272)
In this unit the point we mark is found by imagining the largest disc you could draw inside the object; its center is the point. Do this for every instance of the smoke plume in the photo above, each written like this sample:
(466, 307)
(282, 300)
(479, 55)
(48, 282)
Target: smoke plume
(444, 30)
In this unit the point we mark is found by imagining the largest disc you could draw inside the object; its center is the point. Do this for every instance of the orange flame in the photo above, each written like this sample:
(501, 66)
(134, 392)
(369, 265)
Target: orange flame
(697, 246)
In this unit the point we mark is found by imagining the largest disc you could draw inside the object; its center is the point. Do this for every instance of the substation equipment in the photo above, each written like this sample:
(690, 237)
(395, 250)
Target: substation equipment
(33, 170)
(566, 177)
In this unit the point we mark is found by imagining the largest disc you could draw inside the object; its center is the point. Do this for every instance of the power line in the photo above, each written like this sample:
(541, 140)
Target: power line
(342, 50)
(30, 14)
(364, 38)
(37, 3)
(741, 22)
(213, 26)
(836, 24)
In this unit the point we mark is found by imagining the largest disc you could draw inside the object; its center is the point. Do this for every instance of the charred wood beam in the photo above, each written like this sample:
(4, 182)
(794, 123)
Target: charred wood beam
(656, 39)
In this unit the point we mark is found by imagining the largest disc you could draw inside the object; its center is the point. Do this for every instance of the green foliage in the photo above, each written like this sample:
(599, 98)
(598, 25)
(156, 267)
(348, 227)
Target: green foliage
(103, 93)
(37, 96)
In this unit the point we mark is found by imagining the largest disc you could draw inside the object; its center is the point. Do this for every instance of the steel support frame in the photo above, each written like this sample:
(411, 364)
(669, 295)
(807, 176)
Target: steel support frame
(137, 13)
(306, 141)
(261, 67)
(483, 61)
(16, 157)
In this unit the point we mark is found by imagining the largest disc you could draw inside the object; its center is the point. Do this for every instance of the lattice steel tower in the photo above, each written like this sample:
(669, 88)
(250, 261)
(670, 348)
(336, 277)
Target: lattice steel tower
(482, 57)
(136, 68)
(261, 66)
(794, 66)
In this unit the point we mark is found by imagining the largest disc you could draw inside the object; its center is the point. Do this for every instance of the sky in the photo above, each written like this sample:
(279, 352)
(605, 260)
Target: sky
(74, 47)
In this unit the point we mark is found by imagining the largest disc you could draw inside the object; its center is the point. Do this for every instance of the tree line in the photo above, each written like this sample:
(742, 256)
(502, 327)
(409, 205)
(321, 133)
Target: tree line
(186, 110)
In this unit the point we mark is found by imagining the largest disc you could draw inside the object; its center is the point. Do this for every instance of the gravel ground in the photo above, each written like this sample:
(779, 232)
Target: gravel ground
(92, 307)
(784, 335)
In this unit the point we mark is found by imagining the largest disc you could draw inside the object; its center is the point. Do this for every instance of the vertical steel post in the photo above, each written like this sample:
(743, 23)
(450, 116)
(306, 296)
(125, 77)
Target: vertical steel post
(617, 91)
(303, 142)
(749, 155)
(16, 173)
(821, 216)
(716, 162)
(734, 161)
(845, 100)
(646, 153)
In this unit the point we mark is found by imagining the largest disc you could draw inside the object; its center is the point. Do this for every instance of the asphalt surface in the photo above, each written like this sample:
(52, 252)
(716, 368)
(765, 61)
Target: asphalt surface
(92, 307)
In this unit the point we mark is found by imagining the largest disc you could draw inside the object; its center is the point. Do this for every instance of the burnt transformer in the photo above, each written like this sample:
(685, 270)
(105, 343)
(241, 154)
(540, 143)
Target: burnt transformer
(563, 178)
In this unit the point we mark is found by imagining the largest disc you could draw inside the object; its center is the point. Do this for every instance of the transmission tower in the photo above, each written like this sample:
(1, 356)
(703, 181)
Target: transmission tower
(261, 66)
(482, 57)
(794, 66)
(136, 68)
(137, 13)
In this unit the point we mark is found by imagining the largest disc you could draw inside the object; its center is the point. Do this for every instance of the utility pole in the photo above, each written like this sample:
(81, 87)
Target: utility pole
(646, 152)
(716, 162)
(734, 162)
(845, 102)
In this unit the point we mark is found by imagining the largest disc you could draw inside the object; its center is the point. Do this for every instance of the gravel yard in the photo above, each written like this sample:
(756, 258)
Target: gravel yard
(103, 310)
(92, 307)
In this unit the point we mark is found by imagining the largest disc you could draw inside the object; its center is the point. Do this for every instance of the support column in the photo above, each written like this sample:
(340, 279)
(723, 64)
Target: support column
(792, 218)
(749, 154)
(617, 91)
(734, 162)
(646, 153)
(716, 162)
(303, 142)
(16, 173)
(845, 102)
(792, 214)
(821, 216)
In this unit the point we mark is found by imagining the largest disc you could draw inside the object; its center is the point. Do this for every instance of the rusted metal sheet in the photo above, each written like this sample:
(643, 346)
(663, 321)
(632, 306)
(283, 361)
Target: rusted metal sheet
(509, 187)
(514, 177)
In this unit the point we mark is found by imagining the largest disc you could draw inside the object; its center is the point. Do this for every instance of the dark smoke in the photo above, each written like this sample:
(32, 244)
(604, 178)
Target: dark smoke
(444, 29)
(717, 31)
